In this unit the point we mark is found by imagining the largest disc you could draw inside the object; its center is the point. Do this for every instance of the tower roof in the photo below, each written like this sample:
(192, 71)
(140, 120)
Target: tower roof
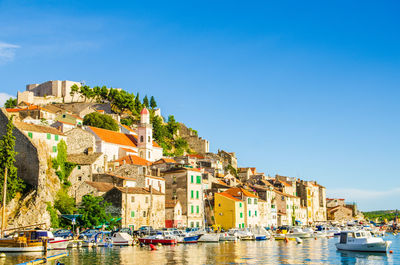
(144, 111)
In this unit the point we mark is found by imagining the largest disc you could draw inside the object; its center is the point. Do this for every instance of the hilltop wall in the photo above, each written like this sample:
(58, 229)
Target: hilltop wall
(196, 143)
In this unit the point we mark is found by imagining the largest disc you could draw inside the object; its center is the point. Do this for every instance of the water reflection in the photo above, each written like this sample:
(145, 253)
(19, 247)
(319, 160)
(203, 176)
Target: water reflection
(320, 251)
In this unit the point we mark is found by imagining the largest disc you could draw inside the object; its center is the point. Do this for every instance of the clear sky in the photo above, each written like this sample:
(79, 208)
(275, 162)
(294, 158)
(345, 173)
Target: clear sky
(307, 89)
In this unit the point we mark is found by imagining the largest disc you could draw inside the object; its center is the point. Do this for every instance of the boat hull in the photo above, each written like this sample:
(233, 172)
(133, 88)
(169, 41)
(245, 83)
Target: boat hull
(367, 247)
(22, 249)
(58, 244)
(122, 243)
(158, 241)
(190, 239)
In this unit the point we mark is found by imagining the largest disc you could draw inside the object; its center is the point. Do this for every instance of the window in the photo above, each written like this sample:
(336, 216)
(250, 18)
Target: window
(174, 180)
(197, 209)
(148, 139)
(79, 167)
(179, 212)
(273, 206)
(197, 194)
(192, 209)
(149, 154)
(54, 149)
(63, 116)
(255, 201)
(282, 198)
(219, 205)
(191, 224)
(249, 213)
(80, 178)
(144, 213)
(198, 180)
(249, 201)
(240, 204)
(56, 137)
(30, 135)
(255, 213)
(48, 136)
(191, 179)
(133, 213)
(241, 215)
(287, 206)
(133, 199)
(191, 194)
(147, 199)
(197, 224)
(141, 138)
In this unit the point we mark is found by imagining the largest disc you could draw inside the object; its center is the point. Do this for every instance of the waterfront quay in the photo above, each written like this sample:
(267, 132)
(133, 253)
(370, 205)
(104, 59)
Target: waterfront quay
(311, 251)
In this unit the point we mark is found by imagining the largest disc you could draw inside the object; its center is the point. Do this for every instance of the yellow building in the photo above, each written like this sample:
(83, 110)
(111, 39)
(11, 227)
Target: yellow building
(229, 211)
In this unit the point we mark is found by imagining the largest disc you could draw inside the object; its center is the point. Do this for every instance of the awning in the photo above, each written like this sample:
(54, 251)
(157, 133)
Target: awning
(71, 217)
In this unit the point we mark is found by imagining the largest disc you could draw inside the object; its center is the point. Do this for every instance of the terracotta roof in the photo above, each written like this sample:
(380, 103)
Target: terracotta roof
(133, 160)
(137, 190)
(128, 150)
(164, 160)
(238, 191)
(170, 203)
(128, 128)
(227, 195)
(100, 186)
(118, 176)
(266, 182)
(144, 111)
(156, 144)
(195, 156)
(155, 177)
(285, 194)
(115, 137)
(83, 159)
(285, 183)
(37, 128)
(69, 123)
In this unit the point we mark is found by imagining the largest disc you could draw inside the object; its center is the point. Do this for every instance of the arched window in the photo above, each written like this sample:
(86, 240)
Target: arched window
(149, 154)
(141, 138)
(148, 139)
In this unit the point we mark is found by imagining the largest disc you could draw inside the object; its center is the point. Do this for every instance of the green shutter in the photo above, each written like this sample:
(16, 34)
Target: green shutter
(255, 213)
(197, 209)
(240, 204)
(197, 194)
(191, 179)
(133, 214)
(191, 194)
(249, 201)
(249, 213)
(30, 135)
(241, 215)
(56, 137)
(192, 209)
(48, 136)
(198, 180)
(255, 201)
(54, 149)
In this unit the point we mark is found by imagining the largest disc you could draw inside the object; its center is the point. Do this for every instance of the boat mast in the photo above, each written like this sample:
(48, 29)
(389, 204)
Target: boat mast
(3, 212)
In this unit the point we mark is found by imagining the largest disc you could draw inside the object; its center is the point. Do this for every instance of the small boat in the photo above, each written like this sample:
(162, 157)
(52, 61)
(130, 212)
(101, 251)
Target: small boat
(162, 237)
(298, 232)
(209, 237)
(74, 244)
(23, 241)
(228, 237)
(191, 239)
(121, 239)
(284, 237)
(103, 239)
(361, 241)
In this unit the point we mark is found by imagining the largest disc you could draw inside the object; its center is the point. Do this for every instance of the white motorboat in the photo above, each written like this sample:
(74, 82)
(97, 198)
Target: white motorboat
(300, 233)
(361, 241)
(228, 237)
(209, 237)
(121, 239)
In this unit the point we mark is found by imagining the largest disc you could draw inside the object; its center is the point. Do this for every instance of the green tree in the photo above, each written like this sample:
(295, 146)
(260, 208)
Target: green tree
(74, 90)
(153, 103)
(104, 93)
(10, 103)
(93, 210)
(7, 160)
(64, 203)
(172, 126)
(60, 164)
(146, 101)
(100, 121)
(138, 104)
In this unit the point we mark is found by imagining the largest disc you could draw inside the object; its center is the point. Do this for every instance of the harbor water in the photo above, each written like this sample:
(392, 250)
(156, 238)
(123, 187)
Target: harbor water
(310, 251)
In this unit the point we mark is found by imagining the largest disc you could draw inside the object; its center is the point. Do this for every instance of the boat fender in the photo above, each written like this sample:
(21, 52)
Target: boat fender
(286, 240)
(315, 238)
(391, 251)
(152, 247)
(159, 244)
(2, 255)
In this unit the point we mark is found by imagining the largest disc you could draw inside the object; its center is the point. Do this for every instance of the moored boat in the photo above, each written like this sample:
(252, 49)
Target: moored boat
(361, 241)
(162, 237)
(209, 237)
(121, 239)
(23, 241)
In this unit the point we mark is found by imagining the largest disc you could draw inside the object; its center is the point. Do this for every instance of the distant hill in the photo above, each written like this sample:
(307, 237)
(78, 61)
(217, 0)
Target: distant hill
(381, 215)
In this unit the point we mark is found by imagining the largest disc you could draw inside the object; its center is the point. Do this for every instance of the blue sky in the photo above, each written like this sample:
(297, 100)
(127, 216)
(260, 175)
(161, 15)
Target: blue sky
(304, 89)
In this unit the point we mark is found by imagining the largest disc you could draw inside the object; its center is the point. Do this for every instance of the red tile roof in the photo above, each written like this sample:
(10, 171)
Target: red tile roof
(227, 195)
(133, 160)
(37, 128)
(128, 150)
(237, 192)
(165, 160)
(114, 137)
(170, 203)
(128, 128)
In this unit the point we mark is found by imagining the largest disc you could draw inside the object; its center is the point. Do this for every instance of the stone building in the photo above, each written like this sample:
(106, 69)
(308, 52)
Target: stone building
(339, 213)
(79, 141)
(42, 135)
(91, 188)
(288, 208)
(332, 202)
(86, 166)
(138, 206)
(173, 214)
(196, 143)
(116, 180)
(185, 185)
(33, 112)
(312, 196)
(228, 158)
(48, 92)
